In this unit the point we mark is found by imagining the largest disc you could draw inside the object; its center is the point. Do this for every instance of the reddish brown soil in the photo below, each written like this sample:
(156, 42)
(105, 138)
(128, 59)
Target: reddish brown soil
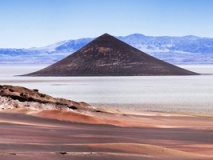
(34, 135)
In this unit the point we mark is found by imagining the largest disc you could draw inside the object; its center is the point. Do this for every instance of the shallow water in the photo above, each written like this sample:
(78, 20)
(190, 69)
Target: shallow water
(154, 93)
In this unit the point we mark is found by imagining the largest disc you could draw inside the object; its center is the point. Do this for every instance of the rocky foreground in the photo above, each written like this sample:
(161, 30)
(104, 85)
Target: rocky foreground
(31, 101)
(37, 126)
(20, 97)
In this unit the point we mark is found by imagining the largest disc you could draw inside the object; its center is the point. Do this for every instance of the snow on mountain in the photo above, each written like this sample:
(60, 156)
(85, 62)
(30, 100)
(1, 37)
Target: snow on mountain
(52, 47)
(177, 50)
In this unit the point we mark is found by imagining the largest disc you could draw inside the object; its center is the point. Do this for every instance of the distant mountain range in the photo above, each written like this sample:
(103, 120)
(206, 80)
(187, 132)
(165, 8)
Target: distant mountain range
(177, 50)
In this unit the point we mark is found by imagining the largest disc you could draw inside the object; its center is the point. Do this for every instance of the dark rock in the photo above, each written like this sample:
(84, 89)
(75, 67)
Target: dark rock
(36, 90)
(12, 154)
(62, 152)
(72, 107)
(11, 90)
(108, 56)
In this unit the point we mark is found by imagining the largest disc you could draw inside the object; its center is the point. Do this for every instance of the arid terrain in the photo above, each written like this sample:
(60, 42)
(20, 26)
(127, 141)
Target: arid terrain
(88, 132)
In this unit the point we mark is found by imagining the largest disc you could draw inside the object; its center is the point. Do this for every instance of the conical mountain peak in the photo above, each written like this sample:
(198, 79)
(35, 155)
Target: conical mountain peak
(105, 35)
(108, 56)
(105, 39)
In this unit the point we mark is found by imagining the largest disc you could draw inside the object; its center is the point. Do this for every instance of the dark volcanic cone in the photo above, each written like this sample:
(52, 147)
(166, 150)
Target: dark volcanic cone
(108, 56)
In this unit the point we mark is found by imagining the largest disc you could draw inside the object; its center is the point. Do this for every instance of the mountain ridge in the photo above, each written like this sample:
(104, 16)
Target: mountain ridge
(177, 50)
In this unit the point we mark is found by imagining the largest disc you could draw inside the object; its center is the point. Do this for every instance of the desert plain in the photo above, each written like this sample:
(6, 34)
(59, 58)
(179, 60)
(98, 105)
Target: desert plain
(107, 133)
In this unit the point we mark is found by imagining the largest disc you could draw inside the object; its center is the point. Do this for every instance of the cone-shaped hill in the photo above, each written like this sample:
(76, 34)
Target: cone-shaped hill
(108, 56)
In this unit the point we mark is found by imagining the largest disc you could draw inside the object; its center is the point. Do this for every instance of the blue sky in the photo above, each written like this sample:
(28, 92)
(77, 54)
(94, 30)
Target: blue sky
(36, 23)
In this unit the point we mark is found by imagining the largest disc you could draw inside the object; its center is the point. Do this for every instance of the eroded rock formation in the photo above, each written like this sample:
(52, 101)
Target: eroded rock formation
(21, 97)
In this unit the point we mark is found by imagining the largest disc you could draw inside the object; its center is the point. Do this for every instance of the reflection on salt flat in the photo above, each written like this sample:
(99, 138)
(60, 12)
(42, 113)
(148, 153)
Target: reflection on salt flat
(156, 93)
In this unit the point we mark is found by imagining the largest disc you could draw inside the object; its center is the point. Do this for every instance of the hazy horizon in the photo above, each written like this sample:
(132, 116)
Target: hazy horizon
(96, 37)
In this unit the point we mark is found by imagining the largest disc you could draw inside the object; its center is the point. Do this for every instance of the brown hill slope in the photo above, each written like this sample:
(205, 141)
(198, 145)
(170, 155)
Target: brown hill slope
(108, 56)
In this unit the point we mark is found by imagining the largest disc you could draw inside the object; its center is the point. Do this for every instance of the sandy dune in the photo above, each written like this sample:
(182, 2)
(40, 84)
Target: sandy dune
(35, 135)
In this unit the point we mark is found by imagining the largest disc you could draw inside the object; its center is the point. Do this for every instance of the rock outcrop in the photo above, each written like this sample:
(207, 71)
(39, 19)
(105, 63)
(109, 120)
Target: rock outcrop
(21, 97)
